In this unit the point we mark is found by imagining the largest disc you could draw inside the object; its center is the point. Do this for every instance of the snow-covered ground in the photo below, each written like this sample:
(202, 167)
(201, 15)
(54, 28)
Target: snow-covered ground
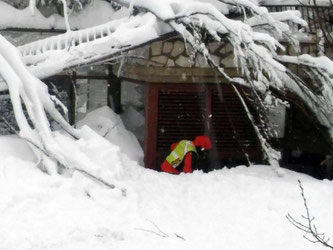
(234, 209)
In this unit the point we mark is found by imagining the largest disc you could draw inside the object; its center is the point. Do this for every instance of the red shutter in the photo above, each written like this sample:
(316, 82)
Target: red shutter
(231, 132)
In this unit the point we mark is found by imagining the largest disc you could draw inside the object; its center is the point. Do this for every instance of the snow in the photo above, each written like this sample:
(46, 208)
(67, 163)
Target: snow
(15, 18)
(110, 126)
(17, 148)
(239, 208)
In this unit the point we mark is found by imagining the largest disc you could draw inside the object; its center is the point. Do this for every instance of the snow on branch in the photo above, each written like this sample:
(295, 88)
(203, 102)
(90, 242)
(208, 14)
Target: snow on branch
(190, 19)
(319, 96)
(55, 149)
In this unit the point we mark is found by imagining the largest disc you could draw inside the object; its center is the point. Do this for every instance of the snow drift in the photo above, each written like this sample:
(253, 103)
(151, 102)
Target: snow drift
(109, 125)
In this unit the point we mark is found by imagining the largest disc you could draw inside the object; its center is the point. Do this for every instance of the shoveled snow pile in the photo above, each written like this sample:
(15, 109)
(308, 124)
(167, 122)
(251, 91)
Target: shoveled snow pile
(239, 208)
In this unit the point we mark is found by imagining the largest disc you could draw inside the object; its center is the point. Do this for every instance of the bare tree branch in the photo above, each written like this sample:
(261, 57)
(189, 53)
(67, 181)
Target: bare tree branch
(158, 231)
(308, 227)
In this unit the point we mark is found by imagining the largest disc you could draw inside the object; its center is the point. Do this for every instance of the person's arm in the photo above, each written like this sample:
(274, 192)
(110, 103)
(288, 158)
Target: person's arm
(188, 163)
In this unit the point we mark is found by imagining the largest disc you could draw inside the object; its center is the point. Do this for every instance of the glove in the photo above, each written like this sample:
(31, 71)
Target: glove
(167, 167)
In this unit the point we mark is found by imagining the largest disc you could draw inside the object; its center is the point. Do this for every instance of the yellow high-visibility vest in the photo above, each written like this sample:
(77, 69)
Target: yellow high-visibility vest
(178, 154)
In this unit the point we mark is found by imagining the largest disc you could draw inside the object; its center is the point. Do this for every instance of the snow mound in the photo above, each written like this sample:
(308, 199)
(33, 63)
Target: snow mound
(240, 208)
(13, 146)
(109, 125)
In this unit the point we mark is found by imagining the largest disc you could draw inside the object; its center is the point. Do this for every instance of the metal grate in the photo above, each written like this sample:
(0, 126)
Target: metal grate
(232, 133)
(213, 111)
(317, 17)
(180, 116)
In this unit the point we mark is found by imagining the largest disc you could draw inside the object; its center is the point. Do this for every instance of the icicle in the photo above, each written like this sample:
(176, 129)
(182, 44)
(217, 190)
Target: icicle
(130, 8)
(32, 7)
(121, 66)
(66, 41)
(58, 44)
(87, 36)
(44, 47)
(68, 28)
(53, 43)
(94, 34)
(80, 37)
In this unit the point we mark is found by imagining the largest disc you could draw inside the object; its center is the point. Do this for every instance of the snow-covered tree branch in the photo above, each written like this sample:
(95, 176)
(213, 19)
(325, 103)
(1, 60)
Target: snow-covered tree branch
(51, 149)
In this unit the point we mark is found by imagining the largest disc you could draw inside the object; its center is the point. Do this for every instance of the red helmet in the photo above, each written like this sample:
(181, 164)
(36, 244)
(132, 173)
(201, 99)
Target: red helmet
(203, 141)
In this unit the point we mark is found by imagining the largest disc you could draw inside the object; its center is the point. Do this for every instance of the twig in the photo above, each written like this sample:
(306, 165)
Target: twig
(9, 125)
(180, 237)
(158, 228)
(153, 232)
(159, 232)
(308, 227)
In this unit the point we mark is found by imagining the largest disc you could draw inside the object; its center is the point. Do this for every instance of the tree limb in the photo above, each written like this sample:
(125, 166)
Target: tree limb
(308, 227)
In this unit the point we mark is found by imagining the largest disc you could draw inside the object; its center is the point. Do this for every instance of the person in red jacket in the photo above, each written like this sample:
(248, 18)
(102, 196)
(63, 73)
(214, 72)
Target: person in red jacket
(185, 155)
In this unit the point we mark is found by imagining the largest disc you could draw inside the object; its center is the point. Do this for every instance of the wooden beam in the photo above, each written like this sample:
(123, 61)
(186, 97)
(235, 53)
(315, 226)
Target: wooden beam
(175, 74)
(151, 126)
(114, 92)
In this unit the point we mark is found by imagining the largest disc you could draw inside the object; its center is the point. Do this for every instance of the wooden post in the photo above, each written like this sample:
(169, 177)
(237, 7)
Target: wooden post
(73, 99)
(114, 92)
(150, 146)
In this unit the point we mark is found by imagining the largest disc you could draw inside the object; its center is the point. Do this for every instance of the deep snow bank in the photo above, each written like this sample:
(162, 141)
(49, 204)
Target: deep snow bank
(234, 209)
(242, 208)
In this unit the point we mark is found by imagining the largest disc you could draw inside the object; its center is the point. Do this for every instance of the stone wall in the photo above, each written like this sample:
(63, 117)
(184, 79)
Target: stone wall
(175, 53)
(174, 61)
